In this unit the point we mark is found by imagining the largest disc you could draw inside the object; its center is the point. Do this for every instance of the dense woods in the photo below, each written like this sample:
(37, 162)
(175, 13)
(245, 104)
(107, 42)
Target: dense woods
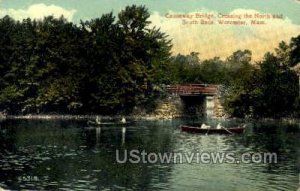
(104, 66)
(114, 64)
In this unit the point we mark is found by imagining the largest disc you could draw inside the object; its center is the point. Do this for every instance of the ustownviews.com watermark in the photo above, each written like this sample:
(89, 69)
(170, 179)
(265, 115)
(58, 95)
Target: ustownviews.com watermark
(138, 156)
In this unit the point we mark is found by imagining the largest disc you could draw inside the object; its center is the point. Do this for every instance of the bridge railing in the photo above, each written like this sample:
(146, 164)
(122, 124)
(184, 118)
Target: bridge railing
(193, 89)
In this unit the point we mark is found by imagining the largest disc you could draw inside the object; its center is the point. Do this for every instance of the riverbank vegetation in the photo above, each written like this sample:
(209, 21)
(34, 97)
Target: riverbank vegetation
(105, 65)
(268, 88)
(115, 64)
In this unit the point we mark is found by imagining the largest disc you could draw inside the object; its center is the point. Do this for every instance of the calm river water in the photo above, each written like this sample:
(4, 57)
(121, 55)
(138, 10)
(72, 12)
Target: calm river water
(65, 155)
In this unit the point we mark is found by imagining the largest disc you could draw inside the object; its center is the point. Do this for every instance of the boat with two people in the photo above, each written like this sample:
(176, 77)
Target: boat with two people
(206, 129)
(97, 122)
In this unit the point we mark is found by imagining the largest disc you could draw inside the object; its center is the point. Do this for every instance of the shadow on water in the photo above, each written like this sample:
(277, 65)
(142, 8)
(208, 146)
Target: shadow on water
(59, 154)
(67, 155)
(273, 137)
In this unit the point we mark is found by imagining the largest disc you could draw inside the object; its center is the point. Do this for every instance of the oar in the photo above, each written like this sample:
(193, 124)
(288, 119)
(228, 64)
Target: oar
(207, 131)
(227, 130)
(90, 123)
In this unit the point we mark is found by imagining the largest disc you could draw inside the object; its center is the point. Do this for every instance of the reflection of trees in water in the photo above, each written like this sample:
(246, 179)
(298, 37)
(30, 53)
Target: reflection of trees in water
(280, 138)
(7, 146)
(26, 145)
(64, 154)
(7, 136)
(272, 137)
(60, 153)
(138, 176)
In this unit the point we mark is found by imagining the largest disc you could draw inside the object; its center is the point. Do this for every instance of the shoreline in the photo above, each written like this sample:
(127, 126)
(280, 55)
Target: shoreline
(83, 117)
(130, 117)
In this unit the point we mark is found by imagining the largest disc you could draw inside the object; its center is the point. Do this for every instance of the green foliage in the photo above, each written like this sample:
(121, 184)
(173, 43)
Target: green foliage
(112, 64)
(272, 90)
(295, 51)
(267, 89)
(103, 66)
(190, 69)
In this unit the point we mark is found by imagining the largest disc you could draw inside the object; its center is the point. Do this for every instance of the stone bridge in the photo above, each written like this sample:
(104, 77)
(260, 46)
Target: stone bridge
(192, 100)
(193, 90)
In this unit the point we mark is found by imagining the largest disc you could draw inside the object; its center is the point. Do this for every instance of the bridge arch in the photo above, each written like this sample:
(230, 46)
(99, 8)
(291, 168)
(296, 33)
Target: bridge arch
(197, 99)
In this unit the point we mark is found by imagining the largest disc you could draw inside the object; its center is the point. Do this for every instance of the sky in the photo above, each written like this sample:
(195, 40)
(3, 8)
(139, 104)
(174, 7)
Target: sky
(210, 41)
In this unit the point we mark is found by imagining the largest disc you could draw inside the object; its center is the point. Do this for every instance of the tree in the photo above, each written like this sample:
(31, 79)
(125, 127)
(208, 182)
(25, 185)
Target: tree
(270, 92)
(239, 67)
(295, 51)
(104, 65)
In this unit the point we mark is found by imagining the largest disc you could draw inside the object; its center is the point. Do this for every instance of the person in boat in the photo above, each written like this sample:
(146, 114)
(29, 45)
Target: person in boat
(219, 126)
(123, 120)
(98, 121)
(204, 126)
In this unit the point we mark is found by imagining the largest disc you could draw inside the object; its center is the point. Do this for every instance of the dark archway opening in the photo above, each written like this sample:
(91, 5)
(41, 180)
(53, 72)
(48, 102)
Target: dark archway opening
(194, 105)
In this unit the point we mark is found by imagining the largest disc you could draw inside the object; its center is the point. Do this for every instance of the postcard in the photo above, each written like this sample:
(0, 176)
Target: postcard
(149, 95)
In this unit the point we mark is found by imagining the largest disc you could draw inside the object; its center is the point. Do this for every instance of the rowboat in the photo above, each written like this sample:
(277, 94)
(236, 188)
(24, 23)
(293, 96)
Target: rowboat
(98, 123)
(233, 130)
(93, 124)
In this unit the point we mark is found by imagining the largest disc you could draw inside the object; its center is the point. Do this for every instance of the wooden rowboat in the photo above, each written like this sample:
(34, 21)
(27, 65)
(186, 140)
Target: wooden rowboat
(234, 130)
(94, 124)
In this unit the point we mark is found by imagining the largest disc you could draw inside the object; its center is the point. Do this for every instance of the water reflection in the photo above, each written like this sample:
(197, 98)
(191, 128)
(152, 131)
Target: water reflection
(98, 133)
(65, 155)
(123, 135)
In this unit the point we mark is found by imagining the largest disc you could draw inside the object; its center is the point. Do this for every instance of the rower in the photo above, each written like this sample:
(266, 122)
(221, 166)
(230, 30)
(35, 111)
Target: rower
(219, 126)
(98, 121)
(123, 120)
(123, 130)
(204, 126)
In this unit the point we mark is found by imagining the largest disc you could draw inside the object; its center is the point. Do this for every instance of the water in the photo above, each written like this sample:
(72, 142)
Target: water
(64, 155)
